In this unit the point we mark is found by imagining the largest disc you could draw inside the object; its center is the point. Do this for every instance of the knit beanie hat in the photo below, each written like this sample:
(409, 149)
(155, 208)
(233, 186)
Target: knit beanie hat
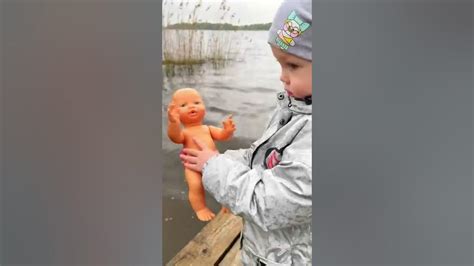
(291, 28)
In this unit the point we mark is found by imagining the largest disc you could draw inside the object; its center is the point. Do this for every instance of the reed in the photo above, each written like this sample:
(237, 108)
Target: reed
(193, 46)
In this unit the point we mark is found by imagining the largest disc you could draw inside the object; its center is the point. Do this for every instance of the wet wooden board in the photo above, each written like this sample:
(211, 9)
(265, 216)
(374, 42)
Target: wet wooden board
(211, 245)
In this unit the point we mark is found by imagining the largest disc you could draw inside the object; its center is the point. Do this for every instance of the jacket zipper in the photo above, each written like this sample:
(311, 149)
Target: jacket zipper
(261, 144)
(258, 147)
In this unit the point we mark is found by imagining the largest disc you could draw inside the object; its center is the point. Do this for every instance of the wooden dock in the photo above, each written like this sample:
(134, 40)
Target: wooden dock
(216, 244)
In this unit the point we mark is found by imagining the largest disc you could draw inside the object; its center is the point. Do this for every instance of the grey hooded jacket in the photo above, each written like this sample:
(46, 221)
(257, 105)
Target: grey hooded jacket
(269, 185)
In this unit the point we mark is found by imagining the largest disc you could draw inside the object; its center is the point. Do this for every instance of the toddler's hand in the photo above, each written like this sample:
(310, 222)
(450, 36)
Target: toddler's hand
(195, 159)
(173, 113)
(229, 126)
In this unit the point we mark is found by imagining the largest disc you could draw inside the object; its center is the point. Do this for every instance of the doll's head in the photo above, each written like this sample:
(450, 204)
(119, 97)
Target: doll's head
(190, 106)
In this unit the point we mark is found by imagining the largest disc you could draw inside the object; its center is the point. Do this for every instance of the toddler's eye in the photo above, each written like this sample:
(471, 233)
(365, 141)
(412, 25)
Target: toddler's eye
(197, 102)
(292, 66)
(183, 105)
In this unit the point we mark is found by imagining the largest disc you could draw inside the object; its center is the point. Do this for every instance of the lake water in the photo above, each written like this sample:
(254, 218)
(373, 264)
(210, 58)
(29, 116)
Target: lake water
(246, 88)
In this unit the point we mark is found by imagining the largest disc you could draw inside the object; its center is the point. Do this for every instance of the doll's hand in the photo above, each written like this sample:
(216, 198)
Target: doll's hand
(195, 159)
(229, 126)
(173, 113)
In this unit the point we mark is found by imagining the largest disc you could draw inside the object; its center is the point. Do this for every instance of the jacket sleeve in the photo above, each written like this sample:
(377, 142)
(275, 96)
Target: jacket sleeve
(272, 198)
(241, 155)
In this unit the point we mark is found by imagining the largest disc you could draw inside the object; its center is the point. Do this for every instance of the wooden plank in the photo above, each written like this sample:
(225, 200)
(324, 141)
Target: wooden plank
(232, 258)
(237, 261)
(209, 245)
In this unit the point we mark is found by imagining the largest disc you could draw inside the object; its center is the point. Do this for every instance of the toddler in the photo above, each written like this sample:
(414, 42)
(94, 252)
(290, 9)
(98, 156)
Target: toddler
(269, 184)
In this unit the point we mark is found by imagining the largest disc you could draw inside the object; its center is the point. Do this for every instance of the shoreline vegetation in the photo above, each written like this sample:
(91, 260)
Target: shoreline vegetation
(218, 26)
(189, 41)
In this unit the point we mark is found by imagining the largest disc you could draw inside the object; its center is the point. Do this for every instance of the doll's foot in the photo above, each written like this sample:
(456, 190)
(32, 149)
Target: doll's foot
(205, 215)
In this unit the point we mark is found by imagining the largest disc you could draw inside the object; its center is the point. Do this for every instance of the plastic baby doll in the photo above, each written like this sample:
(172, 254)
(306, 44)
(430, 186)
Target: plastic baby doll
(187, 109)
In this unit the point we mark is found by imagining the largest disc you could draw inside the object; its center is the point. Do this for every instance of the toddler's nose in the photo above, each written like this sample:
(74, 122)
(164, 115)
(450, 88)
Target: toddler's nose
(284, 78)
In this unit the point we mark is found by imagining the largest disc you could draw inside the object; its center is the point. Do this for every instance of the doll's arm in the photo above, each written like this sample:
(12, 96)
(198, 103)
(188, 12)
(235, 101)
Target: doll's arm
(224, 133)
(175, 133)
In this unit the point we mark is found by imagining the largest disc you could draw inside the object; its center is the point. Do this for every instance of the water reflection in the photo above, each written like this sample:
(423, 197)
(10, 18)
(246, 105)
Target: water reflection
(173, 70)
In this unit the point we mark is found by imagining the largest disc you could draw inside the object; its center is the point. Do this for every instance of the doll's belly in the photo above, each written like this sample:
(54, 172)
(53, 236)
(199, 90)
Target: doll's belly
(206, 138)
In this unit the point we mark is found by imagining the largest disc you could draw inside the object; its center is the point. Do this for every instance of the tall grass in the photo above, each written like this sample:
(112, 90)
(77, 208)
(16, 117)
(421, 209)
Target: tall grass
(192, 46)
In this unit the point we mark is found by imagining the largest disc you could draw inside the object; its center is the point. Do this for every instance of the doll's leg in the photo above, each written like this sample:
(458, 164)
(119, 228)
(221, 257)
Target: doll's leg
(197, 196)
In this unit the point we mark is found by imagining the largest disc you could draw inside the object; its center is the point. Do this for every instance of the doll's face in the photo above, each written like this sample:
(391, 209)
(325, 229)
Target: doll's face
(190, 105)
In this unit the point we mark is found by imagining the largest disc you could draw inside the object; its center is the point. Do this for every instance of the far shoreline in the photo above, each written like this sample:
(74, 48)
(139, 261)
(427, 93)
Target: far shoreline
(219, 26)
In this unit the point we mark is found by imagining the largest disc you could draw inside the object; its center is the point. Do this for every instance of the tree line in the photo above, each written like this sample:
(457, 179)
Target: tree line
(218, 26)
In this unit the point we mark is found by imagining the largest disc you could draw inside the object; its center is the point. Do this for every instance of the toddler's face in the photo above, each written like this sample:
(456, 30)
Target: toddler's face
(296, 73)
(190, 105)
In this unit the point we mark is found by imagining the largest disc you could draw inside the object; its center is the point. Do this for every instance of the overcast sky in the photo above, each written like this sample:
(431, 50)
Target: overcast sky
(248, 11)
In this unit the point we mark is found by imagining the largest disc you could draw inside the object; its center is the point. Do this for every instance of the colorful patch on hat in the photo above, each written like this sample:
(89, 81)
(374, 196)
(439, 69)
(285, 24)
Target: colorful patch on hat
(291, 29)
